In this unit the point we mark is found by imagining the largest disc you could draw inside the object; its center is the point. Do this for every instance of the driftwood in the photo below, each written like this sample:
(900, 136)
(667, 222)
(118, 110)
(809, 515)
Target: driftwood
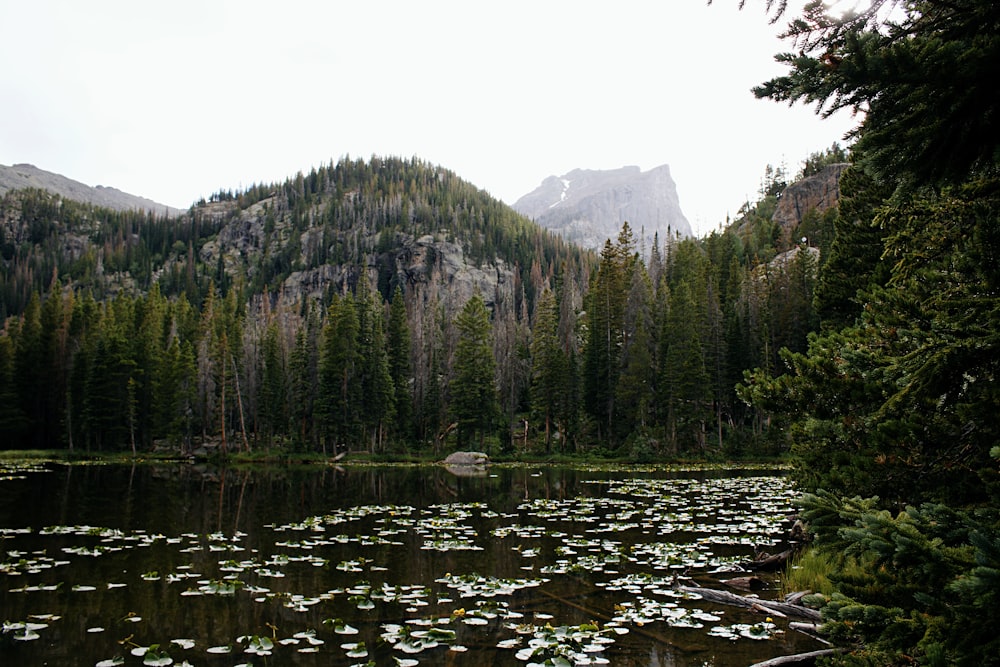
(745, 583)
(811, 629)
(798, 658)
(725, 597)
(769, 563)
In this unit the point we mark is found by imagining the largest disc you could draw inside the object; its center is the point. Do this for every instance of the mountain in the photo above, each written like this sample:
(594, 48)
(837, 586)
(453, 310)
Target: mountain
(21, 176)
(403, 223)
(589, 206)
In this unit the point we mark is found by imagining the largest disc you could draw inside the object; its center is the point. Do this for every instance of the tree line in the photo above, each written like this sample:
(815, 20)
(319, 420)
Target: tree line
(178, 345)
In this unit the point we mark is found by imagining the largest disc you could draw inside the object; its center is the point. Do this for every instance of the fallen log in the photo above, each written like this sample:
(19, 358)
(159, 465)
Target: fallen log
(761, 608)
(745, 583)
(798, 658)
(811, 629)
(725, 597)
(769, 563)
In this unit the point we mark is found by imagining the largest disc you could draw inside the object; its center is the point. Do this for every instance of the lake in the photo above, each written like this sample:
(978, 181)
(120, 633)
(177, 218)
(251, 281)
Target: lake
(387, 565)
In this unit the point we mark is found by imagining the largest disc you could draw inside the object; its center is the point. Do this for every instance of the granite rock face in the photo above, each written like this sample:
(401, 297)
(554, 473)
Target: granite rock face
(818, 192)
(588, 207)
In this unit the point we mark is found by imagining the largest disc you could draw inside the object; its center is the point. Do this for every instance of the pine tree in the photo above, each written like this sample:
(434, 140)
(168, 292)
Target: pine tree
(472, 388)
(684, 382)
(398, 344)
(13, 422)
(637, 379)
(376, 390)
(548, 363)
(273, 386)
(304, 382)
(339, 402)
(605, 330)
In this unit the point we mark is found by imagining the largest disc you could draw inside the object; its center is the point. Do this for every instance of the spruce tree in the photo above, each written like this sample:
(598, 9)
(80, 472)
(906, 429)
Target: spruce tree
(548, 364)
(398, 347)
(472, 388)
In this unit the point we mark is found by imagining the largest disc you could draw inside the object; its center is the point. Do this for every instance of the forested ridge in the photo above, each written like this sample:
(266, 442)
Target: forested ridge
(328, 312)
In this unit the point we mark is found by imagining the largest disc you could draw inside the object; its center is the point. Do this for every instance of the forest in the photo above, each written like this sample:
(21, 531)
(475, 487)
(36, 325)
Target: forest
(150, 334)
(866, 355)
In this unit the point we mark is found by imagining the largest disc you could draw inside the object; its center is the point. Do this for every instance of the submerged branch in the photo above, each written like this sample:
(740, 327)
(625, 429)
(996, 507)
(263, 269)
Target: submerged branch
(725, 597)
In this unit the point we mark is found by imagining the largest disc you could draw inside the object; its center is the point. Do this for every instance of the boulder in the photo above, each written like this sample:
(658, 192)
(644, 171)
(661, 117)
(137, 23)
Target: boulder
(467, 459)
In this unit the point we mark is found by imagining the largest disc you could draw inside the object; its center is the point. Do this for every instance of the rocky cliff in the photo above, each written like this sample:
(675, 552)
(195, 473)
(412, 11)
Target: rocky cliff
(588, 207)
(818, 192)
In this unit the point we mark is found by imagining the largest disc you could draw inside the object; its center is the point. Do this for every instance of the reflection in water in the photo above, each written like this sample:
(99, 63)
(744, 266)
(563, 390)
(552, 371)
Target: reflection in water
(108, 559)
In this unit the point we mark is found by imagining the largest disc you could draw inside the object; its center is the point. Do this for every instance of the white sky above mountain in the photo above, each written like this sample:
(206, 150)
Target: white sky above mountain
(176, 100)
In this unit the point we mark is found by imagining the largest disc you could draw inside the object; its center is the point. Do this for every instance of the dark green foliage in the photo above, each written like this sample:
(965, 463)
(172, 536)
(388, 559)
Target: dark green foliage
(892, 410)
(918, 584)
(339, 405)
(398, 348)
(817, 162)
(550, 365)
(606, 330)
(925, 80)
(473, 389)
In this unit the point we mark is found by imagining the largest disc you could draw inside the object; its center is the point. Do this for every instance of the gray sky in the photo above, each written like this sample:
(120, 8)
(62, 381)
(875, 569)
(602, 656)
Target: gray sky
(176, 100)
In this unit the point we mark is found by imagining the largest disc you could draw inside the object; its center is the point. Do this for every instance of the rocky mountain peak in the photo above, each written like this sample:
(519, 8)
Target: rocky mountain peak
(588, 206)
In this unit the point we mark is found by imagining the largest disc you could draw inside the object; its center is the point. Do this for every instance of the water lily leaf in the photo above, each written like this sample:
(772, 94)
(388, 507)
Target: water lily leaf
(155, 658)
(358, 650)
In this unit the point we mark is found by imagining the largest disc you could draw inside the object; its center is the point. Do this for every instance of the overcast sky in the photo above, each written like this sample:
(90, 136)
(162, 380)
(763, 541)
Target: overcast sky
(176, 100)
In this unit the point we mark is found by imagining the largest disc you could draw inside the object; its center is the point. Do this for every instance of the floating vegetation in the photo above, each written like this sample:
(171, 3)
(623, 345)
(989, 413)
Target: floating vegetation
(756, 631)
(474, 585)
(625, 541)
(12, 470)
(563, 645)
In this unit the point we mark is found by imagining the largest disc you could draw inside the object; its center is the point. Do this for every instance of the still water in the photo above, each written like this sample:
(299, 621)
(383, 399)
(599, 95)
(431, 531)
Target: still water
(399, 565)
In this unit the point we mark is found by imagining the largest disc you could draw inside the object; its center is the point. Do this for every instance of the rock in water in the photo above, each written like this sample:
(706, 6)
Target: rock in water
(467, 459)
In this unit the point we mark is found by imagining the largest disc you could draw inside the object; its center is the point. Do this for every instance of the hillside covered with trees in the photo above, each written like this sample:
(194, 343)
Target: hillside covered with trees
(335, 311)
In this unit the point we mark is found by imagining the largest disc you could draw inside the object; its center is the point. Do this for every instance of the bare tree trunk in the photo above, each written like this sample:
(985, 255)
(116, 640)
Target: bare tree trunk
(239, 404)
(222, 411)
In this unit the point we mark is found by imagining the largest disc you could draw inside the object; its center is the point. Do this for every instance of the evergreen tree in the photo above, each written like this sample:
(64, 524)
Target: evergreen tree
(684, 382)
(398, 344)
(274, 386)
(548, 364)
(376, 390)
(340, 402)
(304, 381)
(29, 358)
(878, 62)
(635, 391)
(13, 422)
(896, 398)
(605, 330)
(473, 389)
